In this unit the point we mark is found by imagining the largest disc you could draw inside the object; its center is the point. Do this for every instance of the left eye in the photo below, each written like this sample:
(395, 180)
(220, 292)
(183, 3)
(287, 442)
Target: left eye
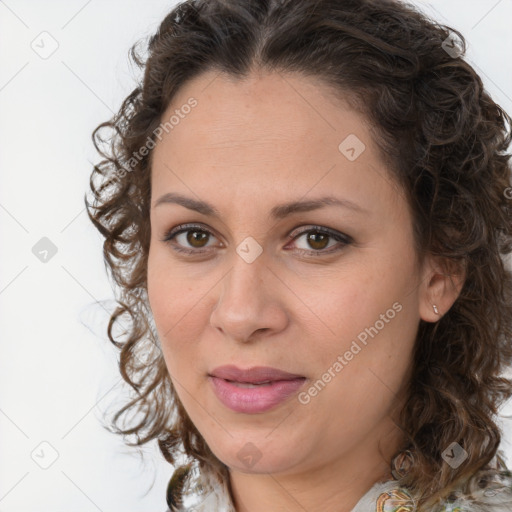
(317, 237)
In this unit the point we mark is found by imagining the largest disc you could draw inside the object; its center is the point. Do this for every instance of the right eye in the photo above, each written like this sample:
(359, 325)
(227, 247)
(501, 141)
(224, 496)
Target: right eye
(193, 235)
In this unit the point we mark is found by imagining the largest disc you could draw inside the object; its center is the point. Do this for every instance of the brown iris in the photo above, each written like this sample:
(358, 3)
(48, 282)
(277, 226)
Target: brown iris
(191, 237)
(315, 237)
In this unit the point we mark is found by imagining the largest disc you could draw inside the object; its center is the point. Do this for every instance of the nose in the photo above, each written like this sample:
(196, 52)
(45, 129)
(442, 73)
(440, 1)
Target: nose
(250, 302)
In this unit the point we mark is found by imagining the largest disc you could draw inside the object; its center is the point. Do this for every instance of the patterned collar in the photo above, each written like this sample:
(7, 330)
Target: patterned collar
(494, 496)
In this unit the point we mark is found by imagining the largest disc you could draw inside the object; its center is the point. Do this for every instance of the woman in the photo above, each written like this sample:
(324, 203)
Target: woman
(306, 208)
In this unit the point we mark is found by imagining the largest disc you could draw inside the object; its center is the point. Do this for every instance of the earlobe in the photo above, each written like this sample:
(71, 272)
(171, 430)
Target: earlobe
(440, 287)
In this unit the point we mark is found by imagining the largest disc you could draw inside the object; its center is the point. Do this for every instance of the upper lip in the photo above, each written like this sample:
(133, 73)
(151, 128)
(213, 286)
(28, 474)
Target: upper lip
(252, 375)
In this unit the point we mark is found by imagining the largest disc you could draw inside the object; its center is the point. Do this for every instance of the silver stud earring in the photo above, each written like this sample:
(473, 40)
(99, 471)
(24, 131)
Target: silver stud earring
(436, 311)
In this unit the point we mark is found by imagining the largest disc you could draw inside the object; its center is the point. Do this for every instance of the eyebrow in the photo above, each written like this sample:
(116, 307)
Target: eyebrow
(277, 212)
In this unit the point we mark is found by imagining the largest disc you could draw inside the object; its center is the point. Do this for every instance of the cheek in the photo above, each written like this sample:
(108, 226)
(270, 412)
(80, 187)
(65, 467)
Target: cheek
(173, 300)
(179, 296)
(368, 315)
(357, 383)
(344, 301)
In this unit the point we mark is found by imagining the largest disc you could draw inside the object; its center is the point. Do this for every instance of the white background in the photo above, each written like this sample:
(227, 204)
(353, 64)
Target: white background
(58, 371)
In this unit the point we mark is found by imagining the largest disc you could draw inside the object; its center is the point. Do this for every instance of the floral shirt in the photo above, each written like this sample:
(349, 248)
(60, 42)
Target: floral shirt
(495, 496)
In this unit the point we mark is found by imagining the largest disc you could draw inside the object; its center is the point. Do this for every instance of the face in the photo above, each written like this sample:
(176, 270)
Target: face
(330, 293)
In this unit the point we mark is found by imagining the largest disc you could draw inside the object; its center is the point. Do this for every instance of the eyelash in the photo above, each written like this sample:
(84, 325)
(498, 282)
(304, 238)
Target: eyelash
(183, 228)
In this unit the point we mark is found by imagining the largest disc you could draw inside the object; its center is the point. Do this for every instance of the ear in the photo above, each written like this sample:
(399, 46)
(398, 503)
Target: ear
(441, 283)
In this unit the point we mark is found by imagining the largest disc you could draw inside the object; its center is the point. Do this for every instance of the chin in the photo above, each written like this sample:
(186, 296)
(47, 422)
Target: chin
(260, 467)
(254, 459)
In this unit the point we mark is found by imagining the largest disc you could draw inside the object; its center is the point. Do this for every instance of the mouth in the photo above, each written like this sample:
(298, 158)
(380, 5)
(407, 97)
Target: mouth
(250, 384)
(255, 397)
(256, 376)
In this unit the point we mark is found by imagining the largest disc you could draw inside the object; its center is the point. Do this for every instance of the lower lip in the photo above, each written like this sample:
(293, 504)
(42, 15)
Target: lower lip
(254, 400)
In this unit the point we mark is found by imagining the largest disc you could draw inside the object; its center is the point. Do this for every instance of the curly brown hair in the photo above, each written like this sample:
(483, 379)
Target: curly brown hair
(442, 136)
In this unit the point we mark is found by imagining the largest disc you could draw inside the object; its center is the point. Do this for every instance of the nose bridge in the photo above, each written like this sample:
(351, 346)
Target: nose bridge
(244, 284)
(243, 301)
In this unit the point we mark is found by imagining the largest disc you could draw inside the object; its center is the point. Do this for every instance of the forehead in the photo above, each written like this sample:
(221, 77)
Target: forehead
(269, 111)
(272, 134)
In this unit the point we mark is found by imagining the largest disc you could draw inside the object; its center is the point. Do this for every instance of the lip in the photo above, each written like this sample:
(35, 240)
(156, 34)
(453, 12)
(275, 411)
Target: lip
(253, 375)
(254, 400)
(226, 382)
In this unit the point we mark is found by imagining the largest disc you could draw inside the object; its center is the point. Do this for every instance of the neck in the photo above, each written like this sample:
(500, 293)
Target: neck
(331, 486)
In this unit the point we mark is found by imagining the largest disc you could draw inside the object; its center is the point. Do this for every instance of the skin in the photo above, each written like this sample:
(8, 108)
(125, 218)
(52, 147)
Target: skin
(246, 147)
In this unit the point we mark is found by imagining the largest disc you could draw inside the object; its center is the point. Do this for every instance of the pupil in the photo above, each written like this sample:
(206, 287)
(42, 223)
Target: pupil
(323, 238)
(193, 239)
